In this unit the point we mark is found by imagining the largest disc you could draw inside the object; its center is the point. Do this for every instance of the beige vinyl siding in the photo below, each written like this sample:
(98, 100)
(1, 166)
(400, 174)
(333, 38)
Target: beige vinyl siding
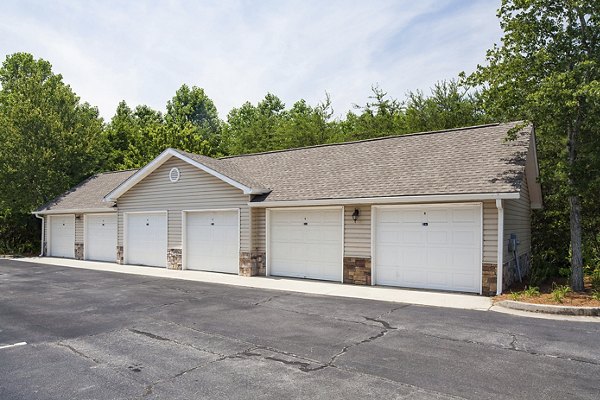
(490, 232)
(259, 225)
(195, 190)
(79, 228)
(517, 219)
(357, 235)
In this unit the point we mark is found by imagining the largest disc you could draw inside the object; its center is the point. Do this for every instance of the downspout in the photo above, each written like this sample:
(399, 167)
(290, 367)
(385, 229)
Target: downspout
(43, 234)
(500, 261)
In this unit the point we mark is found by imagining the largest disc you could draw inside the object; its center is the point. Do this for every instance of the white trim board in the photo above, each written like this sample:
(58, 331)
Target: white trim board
(441, 198)
(160, 160)
(77, 211)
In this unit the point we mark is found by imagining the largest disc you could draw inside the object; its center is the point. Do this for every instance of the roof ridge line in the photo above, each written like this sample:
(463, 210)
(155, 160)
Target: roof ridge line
(367, 140)
(116, 171)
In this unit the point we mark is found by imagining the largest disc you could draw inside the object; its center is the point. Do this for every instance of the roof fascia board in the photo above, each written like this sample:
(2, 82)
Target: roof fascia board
(76, 211)
(160, 160)
(389, 200)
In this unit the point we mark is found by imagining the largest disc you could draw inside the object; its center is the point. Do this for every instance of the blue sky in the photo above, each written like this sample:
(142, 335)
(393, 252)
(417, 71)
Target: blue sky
(142, 51)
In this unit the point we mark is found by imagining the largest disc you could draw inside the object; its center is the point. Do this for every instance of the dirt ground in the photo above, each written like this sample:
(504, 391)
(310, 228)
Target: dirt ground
(583, 299)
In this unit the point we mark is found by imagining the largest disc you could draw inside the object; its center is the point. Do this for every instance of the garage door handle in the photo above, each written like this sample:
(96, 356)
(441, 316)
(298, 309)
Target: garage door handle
(425, 223)
(306, 223)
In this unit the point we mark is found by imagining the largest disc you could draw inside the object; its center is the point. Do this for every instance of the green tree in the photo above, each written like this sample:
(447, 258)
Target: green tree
(50, 141)
(120, 133)
(547, 71)
(304, 125)
(192, 122)
(251, 129)
(381, 116)
(135, 136)
(449, 106)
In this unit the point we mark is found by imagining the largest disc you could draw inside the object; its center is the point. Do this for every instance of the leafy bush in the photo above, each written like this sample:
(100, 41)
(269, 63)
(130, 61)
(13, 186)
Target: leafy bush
(515, 296)
(19, 234)
(596, 279)
(559, 292)
(596, 295)
(532, 291)
(564, 272)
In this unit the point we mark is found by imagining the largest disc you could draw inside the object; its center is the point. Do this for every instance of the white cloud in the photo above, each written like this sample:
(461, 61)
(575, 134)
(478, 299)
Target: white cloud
(238, 50)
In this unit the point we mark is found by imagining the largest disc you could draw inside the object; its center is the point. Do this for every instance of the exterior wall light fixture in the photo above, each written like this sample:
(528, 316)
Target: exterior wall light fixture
(355, 215)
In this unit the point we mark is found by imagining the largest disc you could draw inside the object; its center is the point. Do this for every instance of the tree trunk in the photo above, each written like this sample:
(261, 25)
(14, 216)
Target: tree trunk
(575, 217)
(576, 256)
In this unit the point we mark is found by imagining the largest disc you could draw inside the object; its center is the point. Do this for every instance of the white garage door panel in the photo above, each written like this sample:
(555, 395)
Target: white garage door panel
(146, 239)
(306, 243)
(62, 236)
(100, 241)
(212, 241)
(432, 247)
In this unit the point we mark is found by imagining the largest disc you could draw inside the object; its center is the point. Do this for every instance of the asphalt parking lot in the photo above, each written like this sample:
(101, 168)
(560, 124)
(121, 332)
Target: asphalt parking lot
(104, 335)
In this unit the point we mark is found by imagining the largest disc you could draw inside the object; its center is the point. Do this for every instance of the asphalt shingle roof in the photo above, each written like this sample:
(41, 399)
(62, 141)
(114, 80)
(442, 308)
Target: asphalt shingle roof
(228, 169)
(89, 193)
(459, 161)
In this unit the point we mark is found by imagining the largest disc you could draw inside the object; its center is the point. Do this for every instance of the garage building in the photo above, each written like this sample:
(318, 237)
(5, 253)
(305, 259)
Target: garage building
(433, 210)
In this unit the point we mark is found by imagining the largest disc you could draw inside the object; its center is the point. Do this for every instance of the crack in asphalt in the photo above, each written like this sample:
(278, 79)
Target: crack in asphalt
(511, 347)
(162, 338)
(153, 306)
(78, 352)
(258, 303)
(150, 335)
(513, 343)
(376, 319)
(149, 389)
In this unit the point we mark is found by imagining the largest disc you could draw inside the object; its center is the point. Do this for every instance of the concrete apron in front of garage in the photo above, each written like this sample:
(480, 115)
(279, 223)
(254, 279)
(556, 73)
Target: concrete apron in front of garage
(411, 296)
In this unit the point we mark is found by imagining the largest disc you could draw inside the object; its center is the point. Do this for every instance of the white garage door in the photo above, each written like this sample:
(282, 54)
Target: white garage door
(306, 243)
(212, 241)
(100, 242)
(432, 247)
(62, 236)
(146, 239)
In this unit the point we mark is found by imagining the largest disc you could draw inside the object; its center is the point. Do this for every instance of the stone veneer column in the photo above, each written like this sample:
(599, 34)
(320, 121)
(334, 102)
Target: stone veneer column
(247, 267)
(252, 263)
(79, 251)
(259, 258)
(489, 279)
(174, 259)
(357, 270)
(119, 254)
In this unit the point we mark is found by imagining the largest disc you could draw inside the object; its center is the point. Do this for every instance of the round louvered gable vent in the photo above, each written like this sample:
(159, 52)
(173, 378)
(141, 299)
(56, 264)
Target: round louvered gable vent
(174, 174)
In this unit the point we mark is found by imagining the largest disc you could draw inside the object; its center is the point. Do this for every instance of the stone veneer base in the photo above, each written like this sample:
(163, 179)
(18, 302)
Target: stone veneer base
(79, 251)
(252, 263)
(357, 270)
(174, 259)
(119, 254)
